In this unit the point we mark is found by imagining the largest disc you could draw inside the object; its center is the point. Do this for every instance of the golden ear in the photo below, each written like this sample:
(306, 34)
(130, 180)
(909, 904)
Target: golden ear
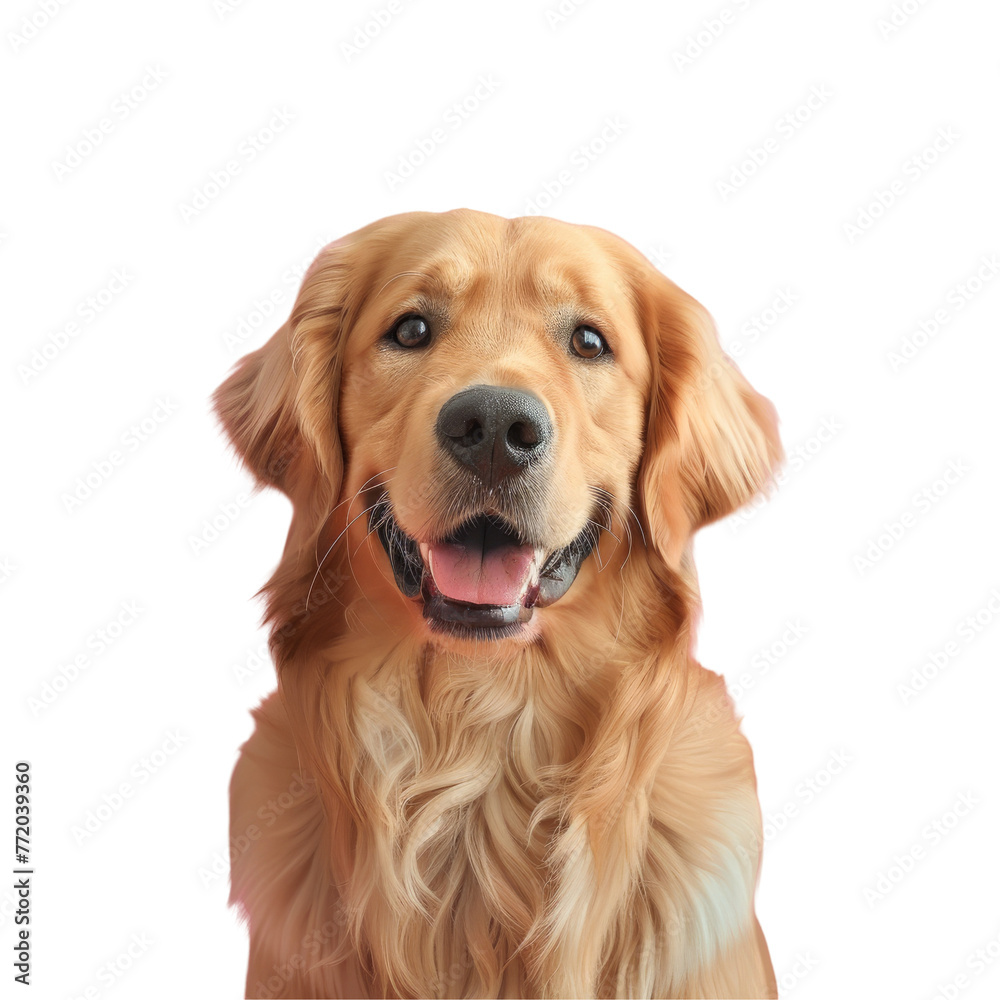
(256, 408)
(279, 405)
(711, 441)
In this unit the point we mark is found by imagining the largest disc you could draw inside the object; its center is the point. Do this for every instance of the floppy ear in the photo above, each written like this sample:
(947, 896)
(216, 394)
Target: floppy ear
(256, 406)
(711, 440)
(279, 405)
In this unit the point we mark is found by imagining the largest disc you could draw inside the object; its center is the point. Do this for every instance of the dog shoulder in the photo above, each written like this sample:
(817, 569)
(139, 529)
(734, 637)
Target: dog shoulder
(275, 836)
(705, 786)
(704, 851)
(266, 771)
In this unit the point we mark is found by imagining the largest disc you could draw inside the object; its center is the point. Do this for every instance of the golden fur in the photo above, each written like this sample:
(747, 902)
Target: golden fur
(569, 813)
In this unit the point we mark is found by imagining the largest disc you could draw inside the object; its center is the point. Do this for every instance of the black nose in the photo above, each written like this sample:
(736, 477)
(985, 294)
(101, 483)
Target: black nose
(494, 431)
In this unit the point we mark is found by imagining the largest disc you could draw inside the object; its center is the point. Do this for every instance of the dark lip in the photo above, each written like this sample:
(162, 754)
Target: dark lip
(476, 621)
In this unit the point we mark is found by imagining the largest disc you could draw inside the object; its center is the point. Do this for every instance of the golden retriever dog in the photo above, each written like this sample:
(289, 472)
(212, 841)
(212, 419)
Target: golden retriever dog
(492, 767)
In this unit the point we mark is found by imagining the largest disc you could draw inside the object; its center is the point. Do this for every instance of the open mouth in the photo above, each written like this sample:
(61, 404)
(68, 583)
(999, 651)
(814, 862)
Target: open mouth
(482, 580)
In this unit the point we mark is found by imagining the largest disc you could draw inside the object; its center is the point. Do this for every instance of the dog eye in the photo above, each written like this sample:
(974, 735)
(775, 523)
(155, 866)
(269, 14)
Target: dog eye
(587, 342)
(411, 331)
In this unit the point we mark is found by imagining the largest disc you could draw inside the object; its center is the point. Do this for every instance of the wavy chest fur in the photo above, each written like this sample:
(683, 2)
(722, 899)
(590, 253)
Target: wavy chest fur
(444, 848)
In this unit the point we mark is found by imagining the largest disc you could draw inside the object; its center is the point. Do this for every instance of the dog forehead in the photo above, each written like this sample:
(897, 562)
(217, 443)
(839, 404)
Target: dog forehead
(502, 267)
(464, 249)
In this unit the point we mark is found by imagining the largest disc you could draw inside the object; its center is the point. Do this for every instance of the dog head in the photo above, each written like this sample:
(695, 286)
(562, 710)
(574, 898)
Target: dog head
(472, 408)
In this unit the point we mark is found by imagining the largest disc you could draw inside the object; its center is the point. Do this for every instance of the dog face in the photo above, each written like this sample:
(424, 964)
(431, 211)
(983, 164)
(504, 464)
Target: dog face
(476, 407)
(492, 401)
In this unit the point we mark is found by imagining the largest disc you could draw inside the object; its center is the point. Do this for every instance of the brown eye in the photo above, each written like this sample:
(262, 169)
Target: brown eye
(411, 331)
(587, 342)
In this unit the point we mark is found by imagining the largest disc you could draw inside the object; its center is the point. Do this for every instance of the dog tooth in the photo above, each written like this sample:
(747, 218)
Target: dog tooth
(536, 564)
(532, 577)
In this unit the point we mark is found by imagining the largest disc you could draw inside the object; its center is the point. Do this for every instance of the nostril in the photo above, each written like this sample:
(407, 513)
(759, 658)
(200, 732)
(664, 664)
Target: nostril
(473, 435)
(522, 435)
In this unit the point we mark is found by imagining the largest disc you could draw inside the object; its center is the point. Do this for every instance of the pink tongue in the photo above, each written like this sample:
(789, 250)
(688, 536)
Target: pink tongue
(501, 576)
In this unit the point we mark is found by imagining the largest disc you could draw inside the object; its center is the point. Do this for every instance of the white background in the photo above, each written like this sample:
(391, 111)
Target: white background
(854, 765)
